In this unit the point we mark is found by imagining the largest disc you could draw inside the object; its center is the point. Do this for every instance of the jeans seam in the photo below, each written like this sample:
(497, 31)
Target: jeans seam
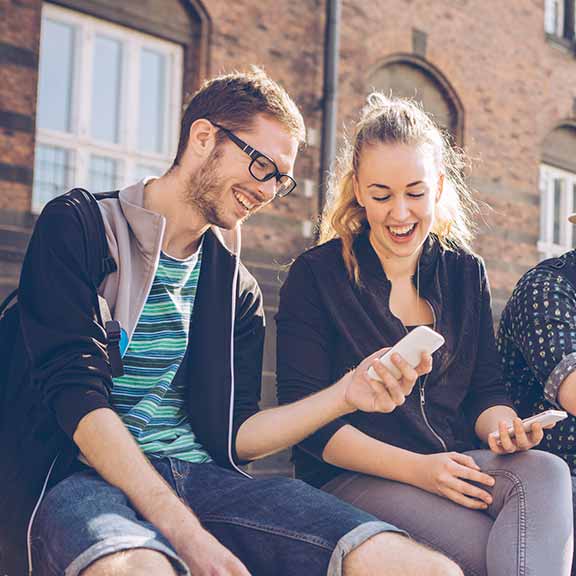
(321, 543)
(519, 486)
(177, 476)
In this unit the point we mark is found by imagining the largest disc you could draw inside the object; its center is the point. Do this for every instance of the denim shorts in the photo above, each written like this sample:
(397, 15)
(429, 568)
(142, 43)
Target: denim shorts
(275, 526)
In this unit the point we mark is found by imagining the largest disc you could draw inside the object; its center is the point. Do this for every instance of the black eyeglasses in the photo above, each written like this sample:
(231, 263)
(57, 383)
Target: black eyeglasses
(261, 167)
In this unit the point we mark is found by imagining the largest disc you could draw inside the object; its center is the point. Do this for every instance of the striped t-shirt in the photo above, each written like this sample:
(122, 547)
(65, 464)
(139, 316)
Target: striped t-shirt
(149, 403)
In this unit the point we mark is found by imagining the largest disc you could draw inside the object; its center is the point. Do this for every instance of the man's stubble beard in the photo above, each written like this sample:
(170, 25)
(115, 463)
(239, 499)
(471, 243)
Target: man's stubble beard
(205, 191)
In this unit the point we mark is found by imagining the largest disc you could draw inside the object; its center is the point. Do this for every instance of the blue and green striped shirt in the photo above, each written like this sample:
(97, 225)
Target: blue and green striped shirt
(151, 406)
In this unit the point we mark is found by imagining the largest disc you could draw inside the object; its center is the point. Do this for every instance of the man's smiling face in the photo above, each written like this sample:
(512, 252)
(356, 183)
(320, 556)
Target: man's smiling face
(224, 191)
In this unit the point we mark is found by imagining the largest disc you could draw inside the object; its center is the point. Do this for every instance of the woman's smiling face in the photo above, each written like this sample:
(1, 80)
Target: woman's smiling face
(399, 186)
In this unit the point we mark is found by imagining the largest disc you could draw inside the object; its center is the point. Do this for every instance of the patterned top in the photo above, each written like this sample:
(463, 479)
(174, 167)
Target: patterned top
(149, 403)
(537, 342)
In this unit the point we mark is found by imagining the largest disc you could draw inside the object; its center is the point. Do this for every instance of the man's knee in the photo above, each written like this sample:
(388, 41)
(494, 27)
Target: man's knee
(391, 554)
(137, 562)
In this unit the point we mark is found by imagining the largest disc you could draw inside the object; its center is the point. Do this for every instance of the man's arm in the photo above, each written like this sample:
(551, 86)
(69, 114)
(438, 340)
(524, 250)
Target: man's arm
(567, 393)
(316, 402)
(276, 429)
(109, 447)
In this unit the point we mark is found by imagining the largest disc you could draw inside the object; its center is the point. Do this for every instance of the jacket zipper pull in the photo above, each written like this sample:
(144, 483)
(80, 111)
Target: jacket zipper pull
(422, 397)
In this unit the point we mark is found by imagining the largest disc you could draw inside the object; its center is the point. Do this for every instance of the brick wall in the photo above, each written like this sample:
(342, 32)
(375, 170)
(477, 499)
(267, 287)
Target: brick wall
(515, 87)
(19, 40)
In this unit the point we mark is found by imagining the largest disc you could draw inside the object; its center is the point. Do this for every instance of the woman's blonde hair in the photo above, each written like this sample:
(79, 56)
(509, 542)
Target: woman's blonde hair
(397, 121)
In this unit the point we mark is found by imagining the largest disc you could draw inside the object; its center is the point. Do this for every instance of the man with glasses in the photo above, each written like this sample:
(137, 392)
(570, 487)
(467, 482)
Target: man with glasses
(261, 167)
(157, 487)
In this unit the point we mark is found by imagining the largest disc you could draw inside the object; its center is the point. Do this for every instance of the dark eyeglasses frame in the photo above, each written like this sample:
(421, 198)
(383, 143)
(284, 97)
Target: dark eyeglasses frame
(254, 156)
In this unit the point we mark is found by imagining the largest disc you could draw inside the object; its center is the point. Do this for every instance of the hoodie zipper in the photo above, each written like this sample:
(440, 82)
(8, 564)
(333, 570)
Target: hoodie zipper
(422, 387)
(232, 380)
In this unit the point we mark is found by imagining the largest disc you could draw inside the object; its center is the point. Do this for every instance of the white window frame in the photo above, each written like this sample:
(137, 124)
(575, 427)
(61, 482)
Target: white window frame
(79, 141)
(554, 17)
(546, 246)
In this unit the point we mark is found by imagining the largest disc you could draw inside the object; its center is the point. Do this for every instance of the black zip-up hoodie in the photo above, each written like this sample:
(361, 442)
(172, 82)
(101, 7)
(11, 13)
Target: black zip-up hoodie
(326, 325)
(64, 348)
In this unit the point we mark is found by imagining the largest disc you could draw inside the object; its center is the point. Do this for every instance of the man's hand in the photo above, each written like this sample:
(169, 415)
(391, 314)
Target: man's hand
(383, 395)
(450, 475)
(206, 556)
(521, 440)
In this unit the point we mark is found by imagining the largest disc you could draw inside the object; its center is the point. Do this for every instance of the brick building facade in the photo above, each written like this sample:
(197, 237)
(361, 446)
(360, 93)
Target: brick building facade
(500, 76)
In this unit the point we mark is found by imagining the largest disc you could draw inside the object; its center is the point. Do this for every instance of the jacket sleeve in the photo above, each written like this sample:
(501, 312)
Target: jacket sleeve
(540, 323)
(249, 330)
(65, 344)
(487, 387)
(303, 351)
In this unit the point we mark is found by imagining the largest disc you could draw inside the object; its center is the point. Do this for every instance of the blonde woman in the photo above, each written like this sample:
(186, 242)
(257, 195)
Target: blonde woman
(394, 254)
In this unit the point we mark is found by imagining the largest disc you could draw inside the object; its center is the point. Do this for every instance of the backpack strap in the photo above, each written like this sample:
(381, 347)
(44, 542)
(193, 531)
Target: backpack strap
(561, 266)
(113, 335)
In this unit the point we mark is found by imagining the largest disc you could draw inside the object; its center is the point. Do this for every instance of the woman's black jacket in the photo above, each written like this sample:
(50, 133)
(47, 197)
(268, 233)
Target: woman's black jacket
(326, 325)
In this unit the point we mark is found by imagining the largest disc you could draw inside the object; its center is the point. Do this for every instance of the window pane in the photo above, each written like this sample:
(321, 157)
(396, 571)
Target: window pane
(549, 16)
(104, 173)
(153, 101)
(143, 171)
(558, 187)
(106, 88)
(56, 75)
(559, 17)
(52, 173)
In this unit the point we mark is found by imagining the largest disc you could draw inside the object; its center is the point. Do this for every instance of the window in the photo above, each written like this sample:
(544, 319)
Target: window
(108, 104)
(558, 200)
(412, 77)
(559, 20)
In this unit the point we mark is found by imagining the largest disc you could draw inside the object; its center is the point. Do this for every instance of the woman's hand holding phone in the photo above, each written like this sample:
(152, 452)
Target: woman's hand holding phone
(449, 474)
(387, 392)
(520, 440)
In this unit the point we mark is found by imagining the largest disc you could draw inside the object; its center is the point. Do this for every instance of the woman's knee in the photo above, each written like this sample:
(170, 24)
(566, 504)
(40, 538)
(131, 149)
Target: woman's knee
(539, 478)
(137, 562)
(537, 464)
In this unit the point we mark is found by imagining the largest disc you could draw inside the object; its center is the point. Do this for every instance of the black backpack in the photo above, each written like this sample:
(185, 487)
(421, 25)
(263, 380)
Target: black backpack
(15, 397)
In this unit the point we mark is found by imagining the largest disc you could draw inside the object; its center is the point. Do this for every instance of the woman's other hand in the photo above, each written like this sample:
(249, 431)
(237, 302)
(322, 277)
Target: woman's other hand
(519, 441)
(451, 474)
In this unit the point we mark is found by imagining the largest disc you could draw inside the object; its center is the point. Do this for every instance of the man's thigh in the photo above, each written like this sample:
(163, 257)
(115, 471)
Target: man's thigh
(83, 519)
(275, 525)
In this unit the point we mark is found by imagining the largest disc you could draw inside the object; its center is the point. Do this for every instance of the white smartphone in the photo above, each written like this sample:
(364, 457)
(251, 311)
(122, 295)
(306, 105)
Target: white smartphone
(545, 418)
(421, 339)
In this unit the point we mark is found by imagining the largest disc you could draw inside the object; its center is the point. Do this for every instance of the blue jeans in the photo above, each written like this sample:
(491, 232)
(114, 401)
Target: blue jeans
(275, 526)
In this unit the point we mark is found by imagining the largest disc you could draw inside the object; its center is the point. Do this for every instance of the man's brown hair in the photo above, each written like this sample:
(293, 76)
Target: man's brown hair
(234, 100)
